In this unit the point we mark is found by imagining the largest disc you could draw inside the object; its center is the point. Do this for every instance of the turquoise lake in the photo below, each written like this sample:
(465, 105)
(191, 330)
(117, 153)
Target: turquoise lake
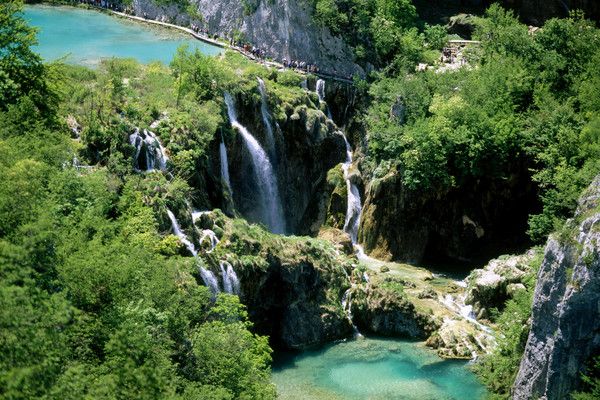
(375, 369)
(86, 37)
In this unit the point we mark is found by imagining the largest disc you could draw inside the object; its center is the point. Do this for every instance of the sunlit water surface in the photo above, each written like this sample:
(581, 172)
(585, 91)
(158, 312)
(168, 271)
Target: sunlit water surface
(375, 369)
(86, 37)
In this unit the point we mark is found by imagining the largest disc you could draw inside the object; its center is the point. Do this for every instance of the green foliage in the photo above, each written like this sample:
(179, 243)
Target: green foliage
(529, 100)
(498, 369)
(375, 29)
(95, 301)
(21, 70)
(591, 381)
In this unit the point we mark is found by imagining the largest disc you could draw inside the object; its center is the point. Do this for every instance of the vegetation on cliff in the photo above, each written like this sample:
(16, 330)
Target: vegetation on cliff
(525, 98)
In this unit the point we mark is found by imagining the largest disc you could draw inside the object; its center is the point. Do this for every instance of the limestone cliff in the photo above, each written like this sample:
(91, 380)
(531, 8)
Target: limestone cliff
(284, 28)
(477, 221)
(565, 328)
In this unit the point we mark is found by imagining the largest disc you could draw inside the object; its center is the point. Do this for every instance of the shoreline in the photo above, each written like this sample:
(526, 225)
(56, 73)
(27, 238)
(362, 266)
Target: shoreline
(202, 38)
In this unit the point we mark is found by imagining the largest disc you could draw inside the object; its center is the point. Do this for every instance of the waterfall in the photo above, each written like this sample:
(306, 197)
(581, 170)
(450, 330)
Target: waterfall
(212, 239)
(267, 182)
(321, 90)
(354, 209)
(304, 84)
(179, 233)
(210, 280)
(466, 311)
(321, 94)
(347, 307)
(264, 110)
(148, 151)
(231, 284)
(224, 165)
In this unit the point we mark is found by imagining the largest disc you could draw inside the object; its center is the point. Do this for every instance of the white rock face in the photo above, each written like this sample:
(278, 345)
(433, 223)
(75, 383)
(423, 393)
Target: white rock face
(284, 28)
(496, 282)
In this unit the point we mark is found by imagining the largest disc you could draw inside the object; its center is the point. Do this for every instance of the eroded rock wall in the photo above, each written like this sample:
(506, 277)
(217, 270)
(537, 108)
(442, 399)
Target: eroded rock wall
(565, 328)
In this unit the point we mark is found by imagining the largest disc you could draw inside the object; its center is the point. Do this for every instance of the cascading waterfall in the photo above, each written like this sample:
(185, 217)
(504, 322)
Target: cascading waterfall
(321, 93)
(210, 280)
(231, 284)
(267, 181)
(224, 165)
(321, 90)
(182, 236)
(304, 84)
(264, 110)
(347, 307)
(354, 210)
(207, 276)
(459, 307)
(147, 145)
(209, 235)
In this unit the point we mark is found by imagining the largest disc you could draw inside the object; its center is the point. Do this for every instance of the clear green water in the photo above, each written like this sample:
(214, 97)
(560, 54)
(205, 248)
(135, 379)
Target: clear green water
(374, 369)
(88, 36)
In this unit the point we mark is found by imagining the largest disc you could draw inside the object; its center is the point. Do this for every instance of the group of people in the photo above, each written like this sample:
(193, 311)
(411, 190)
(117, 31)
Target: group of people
(199, 30)
(257, 52)
(301, 65)
(102, 4)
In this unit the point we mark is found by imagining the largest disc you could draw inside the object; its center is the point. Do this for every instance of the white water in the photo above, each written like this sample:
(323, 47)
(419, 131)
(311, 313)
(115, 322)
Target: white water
(354, 209)
(210, 280)
(179, 233)
(197, 214)
(347, 307)
(224, 166)
(321, 90)
(231, 284)
(267, 181)
(321, 94)
(154, 152)
(466, 311)
(209, 235)
(264, 110)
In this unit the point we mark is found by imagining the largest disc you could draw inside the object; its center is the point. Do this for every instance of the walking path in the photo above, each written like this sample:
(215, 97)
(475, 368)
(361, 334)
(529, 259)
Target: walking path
(222, 45)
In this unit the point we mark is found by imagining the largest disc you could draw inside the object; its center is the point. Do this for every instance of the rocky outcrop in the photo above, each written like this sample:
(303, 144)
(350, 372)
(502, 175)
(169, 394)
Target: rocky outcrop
(474, 222)
(386, 312)
(537, 11)
(565, 327)
(284, 28)
(292, 287)
(498, 281)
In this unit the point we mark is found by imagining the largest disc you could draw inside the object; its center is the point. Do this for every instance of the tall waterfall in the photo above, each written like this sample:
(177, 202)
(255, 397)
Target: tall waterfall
(267, 181)
(264, 110)
(231, 284)
(149, 152)
(179, 233)
(354, 210)
(224, 165)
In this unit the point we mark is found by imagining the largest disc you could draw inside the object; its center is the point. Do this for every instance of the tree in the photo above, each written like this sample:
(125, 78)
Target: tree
(22, 72)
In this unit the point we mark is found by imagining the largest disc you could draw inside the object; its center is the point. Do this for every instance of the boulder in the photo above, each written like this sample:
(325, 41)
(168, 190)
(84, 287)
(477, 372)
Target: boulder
(499, 280)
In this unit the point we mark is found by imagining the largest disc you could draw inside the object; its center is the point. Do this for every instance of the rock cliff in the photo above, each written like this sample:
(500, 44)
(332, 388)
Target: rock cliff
(284, 28)
(475, 222)
(565, 327)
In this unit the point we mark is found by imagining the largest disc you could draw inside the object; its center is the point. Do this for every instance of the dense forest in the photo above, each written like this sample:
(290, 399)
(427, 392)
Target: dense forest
(99, 299)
